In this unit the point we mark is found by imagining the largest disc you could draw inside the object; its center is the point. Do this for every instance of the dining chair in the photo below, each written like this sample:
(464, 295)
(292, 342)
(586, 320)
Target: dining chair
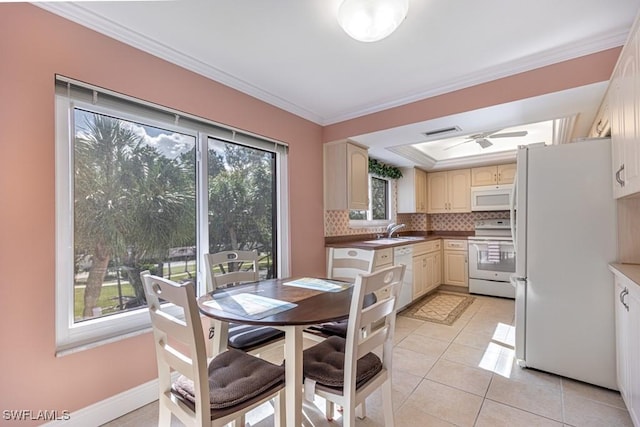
(347, 371)
(235, 267)
(231, 385)
(344, 264)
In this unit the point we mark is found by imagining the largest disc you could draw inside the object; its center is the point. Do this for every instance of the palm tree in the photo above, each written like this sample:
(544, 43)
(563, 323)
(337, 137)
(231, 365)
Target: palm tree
(240, 199)
(130, 200)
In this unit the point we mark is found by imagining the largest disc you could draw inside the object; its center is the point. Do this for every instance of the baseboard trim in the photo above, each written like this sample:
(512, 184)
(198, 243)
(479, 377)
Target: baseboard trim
(112, 407)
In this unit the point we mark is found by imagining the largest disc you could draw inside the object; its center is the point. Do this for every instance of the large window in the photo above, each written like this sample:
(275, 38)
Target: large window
(133, 194)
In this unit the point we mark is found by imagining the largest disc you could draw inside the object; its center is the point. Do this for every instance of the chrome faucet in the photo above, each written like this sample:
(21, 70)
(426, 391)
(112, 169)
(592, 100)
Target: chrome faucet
(392, 228)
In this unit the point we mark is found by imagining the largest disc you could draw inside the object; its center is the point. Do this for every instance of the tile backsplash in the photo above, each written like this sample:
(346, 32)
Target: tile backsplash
(336, 223)
(462, 221)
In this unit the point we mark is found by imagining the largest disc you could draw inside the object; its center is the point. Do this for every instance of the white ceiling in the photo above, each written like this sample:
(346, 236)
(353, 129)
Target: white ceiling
(293, 54)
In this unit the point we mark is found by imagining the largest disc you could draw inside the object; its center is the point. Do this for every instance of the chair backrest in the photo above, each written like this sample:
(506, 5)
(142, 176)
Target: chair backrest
(373, 326)
(347, 263)
(234, 267)
(179, 344)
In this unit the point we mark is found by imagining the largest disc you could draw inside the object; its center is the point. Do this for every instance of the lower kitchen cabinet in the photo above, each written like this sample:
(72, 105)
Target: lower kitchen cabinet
(627, 313)
(427, 267)
(455, 265)
(383, 258)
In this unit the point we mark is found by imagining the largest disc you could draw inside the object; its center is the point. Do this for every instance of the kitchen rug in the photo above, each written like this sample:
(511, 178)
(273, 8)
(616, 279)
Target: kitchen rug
(439, 307)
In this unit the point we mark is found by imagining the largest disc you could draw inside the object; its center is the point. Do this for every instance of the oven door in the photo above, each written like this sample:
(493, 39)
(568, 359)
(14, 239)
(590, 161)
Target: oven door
(491, 259)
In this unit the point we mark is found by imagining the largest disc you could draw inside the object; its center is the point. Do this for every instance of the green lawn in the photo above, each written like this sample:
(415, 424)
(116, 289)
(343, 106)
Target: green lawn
(108, 300)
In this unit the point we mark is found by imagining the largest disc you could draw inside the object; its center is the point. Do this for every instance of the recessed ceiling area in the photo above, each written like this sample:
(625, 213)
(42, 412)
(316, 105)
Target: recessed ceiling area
(557, 117)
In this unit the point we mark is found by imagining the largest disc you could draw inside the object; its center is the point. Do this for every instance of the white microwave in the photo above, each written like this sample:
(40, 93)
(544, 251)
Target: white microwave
(491, 198)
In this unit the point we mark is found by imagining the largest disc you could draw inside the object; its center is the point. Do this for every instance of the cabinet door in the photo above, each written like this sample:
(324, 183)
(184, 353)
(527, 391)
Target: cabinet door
(433, 266)
(358, 177)
(437, 278)
(437, 192)
(622, 345)
(631, 88)
(506, 173)
(455, 268)
(412, 191)
(419, 278)
(421, 191)
(633, 341)
(459, 189)
(625, 112)
(487, 175)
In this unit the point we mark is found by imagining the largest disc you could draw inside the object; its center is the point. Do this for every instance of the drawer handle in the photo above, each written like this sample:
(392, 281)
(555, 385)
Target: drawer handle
(620, 180)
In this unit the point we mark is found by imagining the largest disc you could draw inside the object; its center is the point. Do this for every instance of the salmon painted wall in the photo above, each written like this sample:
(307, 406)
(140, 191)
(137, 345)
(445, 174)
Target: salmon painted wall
(569, 74)
(34, 46)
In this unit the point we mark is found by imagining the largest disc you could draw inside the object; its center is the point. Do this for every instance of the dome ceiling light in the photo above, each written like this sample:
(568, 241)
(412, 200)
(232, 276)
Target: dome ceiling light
(371, 20)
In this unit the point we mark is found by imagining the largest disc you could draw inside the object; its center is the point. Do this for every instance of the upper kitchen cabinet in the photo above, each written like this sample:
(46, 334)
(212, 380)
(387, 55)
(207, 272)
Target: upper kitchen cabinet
(493, 175)
(624, 103)
(412, 191)
(449, 192)
(346, 176)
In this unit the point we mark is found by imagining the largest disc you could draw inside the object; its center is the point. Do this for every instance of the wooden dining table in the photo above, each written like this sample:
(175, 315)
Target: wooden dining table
(289, 304)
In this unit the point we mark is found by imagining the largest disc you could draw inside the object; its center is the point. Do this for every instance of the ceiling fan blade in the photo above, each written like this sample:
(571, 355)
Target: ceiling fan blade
(508, 134)
(455, 145)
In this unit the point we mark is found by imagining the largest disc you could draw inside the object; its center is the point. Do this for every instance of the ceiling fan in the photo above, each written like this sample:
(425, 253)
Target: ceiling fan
(482, 139)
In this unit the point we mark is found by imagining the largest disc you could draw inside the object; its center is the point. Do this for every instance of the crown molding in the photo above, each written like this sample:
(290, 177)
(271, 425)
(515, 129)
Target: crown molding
(567, 52)
(76, 13)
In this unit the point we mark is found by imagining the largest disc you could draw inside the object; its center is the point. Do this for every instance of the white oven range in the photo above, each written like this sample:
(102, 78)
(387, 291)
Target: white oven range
(492, 258)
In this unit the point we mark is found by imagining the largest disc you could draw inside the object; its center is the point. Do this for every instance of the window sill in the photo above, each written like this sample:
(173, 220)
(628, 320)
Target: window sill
(358, 223)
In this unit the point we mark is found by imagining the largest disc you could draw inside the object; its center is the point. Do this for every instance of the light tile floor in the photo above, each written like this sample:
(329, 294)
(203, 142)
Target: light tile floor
(461, 375)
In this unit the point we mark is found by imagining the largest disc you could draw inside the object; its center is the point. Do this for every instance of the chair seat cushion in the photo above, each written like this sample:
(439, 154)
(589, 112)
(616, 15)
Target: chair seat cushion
(324, 363)
(334, 328)
(244, 337)
(234, 377)
(339, 328)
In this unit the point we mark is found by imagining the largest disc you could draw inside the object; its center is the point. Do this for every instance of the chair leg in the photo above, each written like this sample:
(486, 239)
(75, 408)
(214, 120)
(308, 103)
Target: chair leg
(348, 416)
(279, 409)
(328, 409)
(164, 416)
(361, 411)
(238, 422)
(387, 403)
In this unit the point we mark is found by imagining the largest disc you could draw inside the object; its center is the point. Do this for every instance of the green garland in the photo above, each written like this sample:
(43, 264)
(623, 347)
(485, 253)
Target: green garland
(385, 171)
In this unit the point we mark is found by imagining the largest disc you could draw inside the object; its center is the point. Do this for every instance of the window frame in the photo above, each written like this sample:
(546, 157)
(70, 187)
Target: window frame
(391, 208)
(74, 336)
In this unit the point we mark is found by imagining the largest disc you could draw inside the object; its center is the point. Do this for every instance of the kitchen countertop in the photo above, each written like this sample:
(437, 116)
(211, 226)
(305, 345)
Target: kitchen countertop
(363, 242)
(630, 271)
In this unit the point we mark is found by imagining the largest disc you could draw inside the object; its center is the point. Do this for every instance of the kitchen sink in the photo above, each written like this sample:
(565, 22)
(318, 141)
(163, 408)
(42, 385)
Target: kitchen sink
(392, 240)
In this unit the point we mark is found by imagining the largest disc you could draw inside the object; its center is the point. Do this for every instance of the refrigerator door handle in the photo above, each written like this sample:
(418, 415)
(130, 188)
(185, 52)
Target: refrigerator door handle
(512, 210)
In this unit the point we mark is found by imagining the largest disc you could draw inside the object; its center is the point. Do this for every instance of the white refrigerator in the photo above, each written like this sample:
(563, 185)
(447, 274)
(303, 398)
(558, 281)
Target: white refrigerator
(565, 237)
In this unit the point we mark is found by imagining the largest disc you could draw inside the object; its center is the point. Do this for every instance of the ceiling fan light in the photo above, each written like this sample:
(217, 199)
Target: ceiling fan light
(371, 20)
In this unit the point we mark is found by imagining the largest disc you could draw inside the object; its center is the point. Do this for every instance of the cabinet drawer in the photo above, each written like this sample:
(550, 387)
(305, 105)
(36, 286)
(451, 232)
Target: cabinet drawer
(455, 245)
(383, 256)
(424, 247)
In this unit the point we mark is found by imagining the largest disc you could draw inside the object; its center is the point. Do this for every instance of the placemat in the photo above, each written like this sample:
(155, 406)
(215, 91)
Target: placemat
(323, 285)
(251, 306)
